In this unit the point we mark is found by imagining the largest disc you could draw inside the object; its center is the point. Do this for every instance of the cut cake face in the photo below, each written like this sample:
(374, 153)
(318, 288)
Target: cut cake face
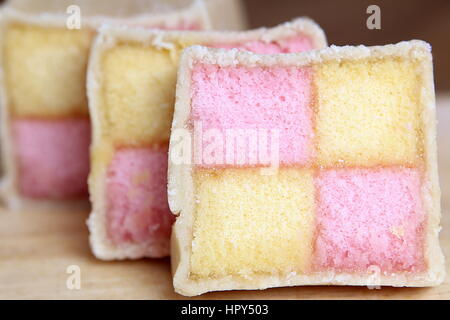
(44, 91)
(131, 88)
(314, 168)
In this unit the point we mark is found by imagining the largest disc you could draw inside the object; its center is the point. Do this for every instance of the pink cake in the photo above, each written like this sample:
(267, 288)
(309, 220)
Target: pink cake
(137, 198)
(294, 44)
(370, 217)
(135, 83)
(53, 157)
(225, 93)
(350, 196)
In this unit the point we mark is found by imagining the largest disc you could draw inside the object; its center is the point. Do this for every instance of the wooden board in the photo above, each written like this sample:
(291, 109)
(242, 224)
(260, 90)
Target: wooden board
(36, 249)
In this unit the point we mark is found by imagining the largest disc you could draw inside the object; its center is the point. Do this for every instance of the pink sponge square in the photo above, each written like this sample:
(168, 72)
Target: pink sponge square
(294, 44)
(369, 217)
(52, 157)
(255, 98)
(137, 207)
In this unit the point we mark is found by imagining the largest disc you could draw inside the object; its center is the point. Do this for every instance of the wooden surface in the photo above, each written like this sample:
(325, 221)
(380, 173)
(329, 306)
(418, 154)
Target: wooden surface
(36, 249)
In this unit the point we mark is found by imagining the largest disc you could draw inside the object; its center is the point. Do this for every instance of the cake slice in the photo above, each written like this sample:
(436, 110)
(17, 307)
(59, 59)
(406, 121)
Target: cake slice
(315, 168)
(45, 121)
(131, 89)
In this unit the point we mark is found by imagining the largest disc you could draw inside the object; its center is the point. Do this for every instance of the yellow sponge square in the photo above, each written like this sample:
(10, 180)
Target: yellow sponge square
(139, 92)
(368, 112)
(45, 70)
(247, 223)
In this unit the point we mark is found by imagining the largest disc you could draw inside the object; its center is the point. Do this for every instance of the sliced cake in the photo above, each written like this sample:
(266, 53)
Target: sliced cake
(131, 89)
(46, 127)
(315, 168)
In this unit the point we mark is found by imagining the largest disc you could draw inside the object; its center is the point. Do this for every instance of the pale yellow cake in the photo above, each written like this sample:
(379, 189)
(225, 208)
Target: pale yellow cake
(353, 196)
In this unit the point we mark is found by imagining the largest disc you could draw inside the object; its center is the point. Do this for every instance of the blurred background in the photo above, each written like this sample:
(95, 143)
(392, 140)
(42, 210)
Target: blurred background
(344, 22)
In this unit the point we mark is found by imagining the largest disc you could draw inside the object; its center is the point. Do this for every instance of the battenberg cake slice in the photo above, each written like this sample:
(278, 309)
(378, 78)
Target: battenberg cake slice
(131, 90)
(315, 168)
(45, 121)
